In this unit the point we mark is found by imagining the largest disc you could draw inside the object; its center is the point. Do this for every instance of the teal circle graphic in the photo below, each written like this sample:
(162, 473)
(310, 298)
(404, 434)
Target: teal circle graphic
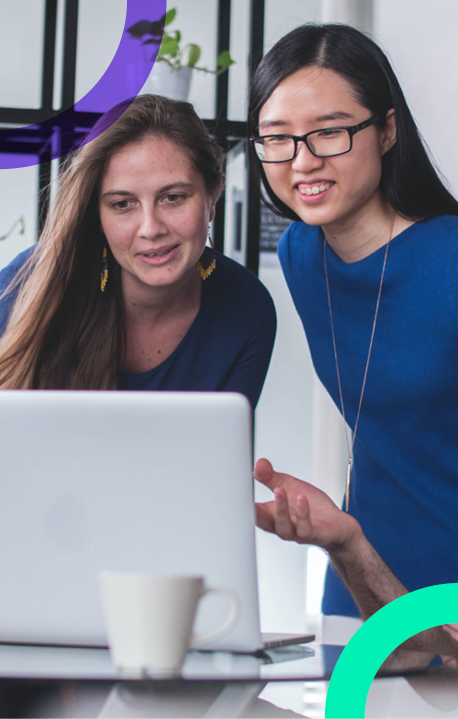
(380, 635)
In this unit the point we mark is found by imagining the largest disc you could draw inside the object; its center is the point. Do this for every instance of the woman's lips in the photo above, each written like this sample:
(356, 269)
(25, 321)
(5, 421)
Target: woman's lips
(313, 192)
(160, 256)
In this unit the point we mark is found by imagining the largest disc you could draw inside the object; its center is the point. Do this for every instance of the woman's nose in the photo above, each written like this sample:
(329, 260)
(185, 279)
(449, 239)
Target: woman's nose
(151, 224)
(305, 160)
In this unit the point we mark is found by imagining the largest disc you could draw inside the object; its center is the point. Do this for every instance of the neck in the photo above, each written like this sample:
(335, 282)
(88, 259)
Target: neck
(359, 235)
(143, 303)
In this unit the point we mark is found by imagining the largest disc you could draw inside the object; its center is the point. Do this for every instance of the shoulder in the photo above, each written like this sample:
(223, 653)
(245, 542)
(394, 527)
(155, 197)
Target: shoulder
(8, 273)
(440, 224)
(7, 276)
(433, 233)
(436, 251)
(298, 238)
(299, 249)
(447, 235)
(437, 241)
(238, 289)
(447, 232)
(15, 265)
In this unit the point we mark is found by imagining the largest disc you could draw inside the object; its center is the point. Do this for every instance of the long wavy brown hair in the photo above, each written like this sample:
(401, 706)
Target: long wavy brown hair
(63, 332)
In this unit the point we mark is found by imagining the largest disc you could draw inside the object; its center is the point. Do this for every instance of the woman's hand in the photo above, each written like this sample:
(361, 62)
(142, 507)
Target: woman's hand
(302, 513)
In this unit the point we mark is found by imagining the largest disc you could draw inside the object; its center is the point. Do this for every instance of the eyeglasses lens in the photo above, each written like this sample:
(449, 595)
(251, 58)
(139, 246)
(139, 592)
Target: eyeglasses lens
(275, 148)
(329, 142)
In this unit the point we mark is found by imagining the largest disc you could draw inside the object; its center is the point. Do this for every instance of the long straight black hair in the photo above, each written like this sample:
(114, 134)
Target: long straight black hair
(409, 183)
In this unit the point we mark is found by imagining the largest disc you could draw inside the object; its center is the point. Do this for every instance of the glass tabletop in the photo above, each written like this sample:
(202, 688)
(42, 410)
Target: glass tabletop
(311, 662)
(64, 681)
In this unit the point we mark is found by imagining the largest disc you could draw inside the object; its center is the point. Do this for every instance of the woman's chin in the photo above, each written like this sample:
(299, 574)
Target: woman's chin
(168, 276)
(316, 216)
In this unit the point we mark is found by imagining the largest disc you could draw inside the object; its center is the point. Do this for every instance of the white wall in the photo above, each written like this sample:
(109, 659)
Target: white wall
(281, 17)
(100, 28)
(238, 74)
(21, 52)
(420, 38)
(284, 436)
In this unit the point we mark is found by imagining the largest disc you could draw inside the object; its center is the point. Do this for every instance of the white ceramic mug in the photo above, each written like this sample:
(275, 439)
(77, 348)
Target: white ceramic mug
(149, 619)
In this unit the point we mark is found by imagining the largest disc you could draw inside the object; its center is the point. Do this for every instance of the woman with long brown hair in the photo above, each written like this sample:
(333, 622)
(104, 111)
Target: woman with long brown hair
(121, 291)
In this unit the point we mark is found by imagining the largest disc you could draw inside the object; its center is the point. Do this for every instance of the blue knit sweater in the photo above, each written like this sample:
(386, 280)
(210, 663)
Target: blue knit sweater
(405, 472)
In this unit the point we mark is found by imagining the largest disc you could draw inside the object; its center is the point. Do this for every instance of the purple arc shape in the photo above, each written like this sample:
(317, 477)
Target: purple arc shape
(110, 89)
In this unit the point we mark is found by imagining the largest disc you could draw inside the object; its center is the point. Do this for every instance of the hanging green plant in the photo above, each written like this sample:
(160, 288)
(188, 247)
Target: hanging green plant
(170, 50)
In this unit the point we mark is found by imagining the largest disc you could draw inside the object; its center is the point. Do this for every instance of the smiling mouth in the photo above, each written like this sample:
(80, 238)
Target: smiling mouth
(314, 189)
(159, 254)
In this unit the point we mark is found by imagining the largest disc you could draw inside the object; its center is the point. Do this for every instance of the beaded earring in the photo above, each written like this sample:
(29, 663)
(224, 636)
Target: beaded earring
(207, 261)
(104, 270)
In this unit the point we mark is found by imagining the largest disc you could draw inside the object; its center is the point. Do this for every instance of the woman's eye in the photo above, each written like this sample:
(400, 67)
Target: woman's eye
(173, 198)
(122, 204)
(331, 133)
(276, 139)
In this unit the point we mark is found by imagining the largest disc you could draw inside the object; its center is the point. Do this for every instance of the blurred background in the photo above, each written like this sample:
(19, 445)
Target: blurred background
(52, 52)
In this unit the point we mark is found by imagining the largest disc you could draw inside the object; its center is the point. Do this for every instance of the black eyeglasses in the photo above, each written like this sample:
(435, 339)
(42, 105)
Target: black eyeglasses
(328, 142)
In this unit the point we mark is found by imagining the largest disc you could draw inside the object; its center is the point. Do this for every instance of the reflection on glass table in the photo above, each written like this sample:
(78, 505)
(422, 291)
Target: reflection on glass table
(60, 681)
(288, 663)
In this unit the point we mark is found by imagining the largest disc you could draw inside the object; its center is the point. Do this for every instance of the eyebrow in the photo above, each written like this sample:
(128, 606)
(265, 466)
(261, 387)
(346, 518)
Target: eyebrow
(338, 115)
(165, 188)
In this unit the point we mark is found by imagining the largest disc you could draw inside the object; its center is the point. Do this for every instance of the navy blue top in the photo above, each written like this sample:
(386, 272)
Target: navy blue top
(228, 346)
(405, 472)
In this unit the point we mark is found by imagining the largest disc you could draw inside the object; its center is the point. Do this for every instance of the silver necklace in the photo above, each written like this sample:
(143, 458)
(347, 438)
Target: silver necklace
(350, 445)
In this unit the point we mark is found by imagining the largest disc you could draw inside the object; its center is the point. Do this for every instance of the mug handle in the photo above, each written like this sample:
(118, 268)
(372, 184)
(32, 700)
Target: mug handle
(228, 624)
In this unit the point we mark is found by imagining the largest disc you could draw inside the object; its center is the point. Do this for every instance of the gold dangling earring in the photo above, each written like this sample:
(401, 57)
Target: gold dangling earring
(104, 270)
(207, 261)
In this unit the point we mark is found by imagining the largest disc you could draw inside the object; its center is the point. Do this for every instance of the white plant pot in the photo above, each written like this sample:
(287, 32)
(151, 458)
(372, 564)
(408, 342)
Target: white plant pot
(169, 83)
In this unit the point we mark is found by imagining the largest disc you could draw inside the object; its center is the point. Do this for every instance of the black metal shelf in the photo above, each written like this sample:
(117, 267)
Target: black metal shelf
(67, 129)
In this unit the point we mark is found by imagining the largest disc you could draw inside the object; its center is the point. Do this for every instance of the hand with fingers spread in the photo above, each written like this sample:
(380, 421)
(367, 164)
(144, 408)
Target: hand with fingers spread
(302, 513)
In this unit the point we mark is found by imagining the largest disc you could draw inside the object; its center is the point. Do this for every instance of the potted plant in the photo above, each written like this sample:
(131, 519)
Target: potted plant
(172, 72)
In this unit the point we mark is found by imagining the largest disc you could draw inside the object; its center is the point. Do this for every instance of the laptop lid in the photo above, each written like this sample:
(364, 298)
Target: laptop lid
(130, 481)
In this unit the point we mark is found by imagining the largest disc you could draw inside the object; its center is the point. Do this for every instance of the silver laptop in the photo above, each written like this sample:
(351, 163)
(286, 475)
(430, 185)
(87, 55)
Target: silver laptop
(130, 481)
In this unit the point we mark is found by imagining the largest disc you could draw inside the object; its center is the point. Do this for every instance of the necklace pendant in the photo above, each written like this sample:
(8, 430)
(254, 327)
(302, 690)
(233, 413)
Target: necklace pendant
(348, 486)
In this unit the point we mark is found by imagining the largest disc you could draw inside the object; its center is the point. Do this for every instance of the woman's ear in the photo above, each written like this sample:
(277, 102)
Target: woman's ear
(389, 132)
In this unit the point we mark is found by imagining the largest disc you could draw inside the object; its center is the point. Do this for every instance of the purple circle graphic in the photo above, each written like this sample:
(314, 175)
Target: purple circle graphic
(110, 90)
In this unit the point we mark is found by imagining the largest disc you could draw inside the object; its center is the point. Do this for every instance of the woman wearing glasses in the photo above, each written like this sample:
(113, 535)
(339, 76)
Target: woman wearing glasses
(121, 291)
(371, 261)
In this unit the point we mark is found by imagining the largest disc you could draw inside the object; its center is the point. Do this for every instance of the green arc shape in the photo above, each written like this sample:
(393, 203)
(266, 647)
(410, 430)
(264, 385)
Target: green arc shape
(380, 635)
